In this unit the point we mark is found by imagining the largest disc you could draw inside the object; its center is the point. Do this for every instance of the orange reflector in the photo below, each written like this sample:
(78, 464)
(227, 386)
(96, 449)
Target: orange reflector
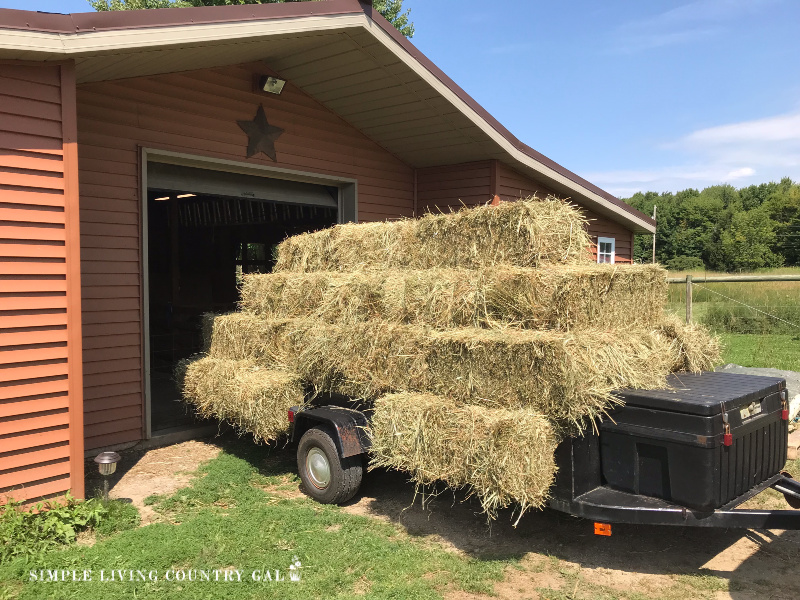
(602, 529)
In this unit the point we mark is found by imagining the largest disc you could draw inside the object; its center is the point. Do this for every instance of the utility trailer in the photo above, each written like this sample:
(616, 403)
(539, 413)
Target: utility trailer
(687, 455)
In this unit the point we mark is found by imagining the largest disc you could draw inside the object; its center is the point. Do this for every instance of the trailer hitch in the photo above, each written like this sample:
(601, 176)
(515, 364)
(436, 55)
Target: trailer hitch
(790, 489)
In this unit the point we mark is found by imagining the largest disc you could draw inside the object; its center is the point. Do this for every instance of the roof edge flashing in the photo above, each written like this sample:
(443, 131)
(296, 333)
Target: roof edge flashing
(87, 34)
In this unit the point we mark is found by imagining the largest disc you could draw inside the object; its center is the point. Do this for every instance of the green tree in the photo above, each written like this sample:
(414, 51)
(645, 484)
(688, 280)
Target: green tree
(784, 208)
(719, 223)
(747, 244)
(391, 9)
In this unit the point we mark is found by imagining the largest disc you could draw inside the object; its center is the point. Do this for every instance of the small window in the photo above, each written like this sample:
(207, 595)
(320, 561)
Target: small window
(606, 248)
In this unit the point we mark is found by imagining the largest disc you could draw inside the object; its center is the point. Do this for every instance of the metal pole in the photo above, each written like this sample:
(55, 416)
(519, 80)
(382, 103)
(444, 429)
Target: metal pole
(105, 489)
(734, 278)
(654, 235)
(688, 298)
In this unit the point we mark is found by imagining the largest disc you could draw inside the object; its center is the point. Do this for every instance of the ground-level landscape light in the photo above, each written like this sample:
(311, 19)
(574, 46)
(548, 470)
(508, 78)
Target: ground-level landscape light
(107, 465)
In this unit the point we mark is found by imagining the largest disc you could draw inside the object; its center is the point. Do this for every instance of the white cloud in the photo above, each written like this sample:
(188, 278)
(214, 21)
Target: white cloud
(738, 153)
(690, 22)
(739, 173)
(783, 128)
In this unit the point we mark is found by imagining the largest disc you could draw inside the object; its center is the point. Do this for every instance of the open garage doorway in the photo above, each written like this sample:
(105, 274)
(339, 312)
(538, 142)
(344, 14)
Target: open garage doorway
(205, 230)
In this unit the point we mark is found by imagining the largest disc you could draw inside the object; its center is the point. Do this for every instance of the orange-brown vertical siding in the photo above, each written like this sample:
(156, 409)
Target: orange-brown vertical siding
(194, 113)
(41, 431)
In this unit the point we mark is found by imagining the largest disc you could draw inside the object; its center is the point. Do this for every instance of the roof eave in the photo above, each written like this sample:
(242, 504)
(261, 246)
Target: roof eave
(53, 37)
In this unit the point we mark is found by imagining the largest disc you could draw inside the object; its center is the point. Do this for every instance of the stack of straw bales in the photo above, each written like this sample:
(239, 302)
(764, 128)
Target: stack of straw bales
(480, 338)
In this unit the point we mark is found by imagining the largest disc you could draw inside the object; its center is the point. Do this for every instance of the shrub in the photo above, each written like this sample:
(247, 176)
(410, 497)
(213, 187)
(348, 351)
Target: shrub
(31, 532)
(685, 263)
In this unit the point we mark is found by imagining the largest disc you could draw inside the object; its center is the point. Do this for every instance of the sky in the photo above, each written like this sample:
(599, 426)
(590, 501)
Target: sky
(634, 96)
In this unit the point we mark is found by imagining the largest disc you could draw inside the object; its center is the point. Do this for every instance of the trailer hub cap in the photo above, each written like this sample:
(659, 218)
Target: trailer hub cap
(318, 468)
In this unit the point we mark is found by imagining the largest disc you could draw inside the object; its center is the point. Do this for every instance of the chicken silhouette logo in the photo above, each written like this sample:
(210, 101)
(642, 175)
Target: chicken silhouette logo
(294, 570)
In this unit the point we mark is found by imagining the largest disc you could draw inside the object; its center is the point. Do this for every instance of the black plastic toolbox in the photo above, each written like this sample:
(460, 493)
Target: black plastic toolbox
(671, 443)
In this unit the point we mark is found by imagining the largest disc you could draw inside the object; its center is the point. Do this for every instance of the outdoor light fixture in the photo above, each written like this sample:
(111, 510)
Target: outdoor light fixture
(186, 195)
(107, 464)
(162, 198)
(271, 84)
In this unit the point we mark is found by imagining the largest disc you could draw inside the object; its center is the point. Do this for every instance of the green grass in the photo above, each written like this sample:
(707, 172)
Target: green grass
(29, 533)
(777, 351)
(758, 322)
(231, 517)
(742, 307)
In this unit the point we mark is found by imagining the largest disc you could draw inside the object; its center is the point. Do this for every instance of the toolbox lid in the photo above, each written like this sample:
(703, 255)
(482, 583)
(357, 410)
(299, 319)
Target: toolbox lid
(702, 393)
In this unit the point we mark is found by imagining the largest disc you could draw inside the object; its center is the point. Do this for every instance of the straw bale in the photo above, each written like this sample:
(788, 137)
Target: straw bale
(567, 376)
(253, 399)
(503, 456)
(524, 233)
(207, 329)
(563, 297)
(693, 347)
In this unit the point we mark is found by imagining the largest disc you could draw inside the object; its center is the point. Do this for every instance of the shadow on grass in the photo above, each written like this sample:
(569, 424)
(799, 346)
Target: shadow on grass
(455, 520)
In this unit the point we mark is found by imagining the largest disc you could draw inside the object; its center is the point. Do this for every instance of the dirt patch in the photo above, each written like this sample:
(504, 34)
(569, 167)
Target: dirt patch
(556, 556)
(559, 556)
(159, 471)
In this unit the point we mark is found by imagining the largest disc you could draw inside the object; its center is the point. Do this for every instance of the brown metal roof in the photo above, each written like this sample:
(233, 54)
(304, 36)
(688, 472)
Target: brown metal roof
(130, 20)
(136, 19)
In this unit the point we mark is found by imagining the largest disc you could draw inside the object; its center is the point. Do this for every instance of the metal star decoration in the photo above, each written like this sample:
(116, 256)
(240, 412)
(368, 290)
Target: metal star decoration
(261, 135)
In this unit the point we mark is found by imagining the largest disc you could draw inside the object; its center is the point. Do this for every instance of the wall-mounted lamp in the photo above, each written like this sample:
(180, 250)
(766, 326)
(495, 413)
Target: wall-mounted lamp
(271, 84)
(107, 465)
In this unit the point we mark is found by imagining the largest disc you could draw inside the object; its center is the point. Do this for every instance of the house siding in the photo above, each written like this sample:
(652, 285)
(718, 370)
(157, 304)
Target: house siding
(194, 113)
(41, 432)
(454, 186)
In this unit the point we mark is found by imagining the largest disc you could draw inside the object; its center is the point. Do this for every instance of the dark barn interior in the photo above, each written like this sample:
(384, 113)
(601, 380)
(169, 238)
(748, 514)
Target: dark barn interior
(199, 246)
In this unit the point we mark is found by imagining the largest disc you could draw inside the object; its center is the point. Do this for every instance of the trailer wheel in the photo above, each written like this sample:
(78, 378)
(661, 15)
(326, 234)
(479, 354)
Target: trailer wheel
(326, 477)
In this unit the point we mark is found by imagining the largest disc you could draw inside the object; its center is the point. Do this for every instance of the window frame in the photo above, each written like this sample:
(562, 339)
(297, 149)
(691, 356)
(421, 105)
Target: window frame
(613, 255)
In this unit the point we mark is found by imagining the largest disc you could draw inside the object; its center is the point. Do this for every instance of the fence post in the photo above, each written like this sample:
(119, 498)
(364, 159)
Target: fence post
(688, 299)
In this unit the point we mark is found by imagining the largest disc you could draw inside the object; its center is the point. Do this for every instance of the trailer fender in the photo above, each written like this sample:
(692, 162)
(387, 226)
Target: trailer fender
(348, 427)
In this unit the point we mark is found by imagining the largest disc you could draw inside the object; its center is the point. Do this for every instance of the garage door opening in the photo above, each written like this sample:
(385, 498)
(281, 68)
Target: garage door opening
(205, 230)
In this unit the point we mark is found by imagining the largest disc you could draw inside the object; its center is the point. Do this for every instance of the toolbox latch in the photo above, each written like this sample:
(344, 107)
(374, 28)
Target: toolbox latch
(727, 438)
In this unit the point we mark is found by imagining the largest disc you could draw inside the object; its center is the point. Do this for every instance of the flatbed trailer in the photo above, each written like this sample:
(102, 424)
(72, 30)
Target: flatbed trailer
(689, 455)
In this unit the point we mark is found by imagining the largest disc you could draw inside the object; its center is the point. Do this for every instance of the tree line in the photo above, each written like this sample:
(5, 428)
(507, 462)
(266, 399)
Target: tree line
(391, 9)
(722, 228)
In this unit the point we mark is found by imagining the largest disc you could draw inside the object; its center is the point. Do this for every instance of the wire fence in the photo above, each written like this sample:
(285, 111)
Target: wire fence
(739, 304)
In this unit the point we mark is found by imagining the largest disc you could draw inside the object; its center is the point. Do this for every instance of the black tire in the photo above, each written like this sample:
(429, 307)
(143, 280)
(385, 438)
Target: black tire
(344, 473)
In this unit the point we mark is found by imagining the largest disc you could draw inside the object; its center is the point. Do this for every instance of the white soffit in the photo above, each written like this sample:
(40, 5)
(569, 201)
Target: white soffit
(345, 61)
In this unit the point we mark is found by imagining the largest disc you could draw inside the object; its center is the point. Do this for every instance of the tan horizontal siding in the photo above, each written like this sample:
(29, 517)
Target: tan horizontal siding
(38, 378)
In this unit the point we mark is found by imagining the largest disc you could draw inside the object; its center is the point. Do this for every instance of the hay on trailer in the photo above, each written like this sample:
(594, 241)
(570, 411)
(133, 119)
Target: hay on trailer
(524, 233)
(567, 376)
(563, 297)
(693, 347)
(504, 456)
(253, 399)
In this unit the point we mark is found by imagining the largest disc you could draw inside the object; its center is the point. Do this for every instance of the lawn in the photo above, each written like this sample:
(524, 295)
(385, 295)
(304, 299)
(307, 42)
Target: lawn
(243, 512)
(237, 516)
(758, 322)
(777, 351)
